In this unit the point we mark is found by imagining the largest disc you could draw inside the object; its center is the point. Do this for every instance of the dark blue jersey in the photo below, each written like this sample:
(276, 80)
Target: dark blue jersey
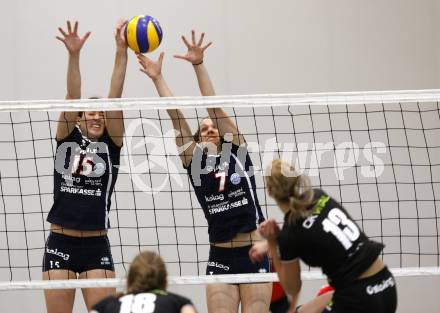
(225, 187)
(329, 239)
(156, 301)
(84, 177)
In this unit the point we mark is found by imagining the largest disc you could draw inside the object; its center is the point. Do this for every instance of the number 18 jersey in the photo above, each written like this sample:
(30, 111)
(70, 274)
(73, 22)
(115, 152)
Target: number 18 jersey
(329, 239)
(156, 301)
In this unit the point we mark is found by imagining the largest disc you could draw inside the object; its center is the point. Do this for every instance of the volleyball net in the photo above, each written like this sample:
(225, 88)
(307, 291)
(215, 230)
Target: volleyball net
(378, 153)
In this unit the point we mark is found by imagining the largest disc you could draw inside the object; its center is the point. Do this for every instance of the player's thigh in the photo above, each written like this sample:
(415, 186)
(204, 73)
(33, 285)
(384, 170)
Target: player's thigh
(94, 295)
(222, 298)
(255, 298)
(59, 300)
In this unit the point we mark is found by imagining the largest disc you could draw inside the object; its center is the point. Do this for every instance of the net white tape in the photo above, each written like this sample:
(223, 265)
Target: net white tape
(395, 200)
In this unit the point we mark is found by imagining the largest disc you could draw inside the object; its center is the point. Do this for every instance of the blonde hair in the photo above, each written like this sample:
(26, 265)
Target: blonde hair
(286, 185)
(147, 272)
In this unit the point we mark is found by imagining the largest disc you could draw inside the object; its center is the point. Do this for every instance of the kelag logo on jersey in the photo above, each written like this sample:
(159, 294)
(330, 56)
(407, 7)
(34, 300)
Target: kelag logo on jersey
(235, 179)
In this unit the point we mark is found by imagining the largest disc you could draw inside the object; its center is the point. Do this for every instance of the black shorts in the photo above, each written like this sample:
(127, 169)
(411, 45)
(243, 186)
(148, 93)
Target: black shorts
(376, 294)
(77, 254)
(234, 261)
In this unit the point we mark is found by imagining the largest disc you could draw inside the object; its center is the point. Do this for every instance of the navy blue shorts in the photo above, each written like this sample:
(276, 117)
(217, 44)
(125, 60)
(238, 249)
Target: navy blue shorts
(372, 294)
(234, 261)
(77, 254)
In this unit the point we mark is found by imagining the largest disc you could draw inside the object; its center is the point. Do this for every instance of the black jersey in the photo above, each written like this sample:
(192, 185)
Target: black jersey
(225, 187)
(84, 177)
(329, 239)
(156, 301)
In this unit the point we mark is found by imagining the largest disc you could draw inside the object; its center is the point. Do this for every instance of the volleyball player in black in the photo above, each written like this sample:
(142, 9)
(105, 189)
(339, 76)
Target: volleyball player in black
(146, 290)
(219, 168)
(88, 149)
(320, 232)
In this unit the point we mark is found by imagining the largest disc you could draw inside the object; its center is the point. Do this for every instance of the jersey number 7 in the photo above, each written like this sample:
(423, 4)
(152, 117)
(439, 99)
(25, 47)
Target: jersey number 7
(221, 185)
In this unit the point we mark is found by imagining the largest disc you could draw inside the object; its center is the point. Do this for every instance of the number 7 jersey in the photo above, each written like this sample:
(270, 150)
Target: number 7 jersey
(330, 239)
(225, 187)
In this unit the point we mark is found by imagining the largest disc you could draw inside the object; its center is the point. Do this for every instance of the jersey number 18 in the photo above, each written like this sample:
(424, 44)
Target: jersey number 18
(140, 303)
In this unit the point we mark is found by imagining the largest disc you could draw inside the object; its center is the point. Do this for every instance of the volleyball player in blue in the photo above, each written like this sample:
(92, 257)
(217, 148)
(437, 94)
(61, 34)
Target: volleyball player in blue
(218, 166)
(88, 148)
(321, 233)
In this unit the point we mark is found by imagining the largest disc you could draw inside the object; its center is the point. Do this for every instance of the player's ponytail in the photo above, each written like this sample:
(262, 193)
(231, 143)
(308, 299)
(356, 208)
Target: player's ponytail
(147, 272)
(286, 185)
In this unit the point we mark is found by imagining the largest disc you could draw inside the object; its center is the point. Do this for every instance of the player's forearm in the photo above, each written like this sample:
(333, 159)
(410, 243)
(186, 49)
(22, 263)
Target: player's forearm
(273, 253)
(222, 121)
(205, 84)
(288, 279)
(118, 76)
(73, 77)
(162, 87)
(181, 126)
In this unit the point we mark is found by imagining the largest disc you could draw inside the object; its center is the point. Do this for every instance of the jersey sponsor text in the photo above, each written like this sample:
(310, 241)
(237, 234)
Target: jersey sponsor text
(81, 191)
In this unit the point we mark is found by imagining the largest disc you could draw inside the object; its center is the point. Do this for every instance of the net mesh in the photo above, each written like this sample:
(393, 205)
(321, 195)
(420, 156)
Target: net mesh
(376, 153)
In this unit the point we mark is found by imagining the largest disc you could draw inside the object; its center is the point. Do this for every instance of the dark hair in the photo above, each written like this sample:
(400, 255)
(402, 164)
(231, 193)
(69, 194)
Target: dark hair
(80, 113)
(147, 272)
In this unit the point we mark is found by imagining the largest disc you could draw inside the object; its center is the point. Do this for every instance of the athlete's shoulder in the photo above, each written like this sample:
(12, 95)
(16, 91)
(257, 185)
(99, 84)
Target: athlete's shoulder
(106, 138)
(110, 304)
(181, 299)
(73, 136)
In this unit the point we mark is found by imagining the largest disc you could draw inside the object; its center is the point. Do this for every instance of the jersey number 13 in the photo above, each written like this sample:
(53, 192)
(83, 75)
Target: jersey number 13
(341, 227)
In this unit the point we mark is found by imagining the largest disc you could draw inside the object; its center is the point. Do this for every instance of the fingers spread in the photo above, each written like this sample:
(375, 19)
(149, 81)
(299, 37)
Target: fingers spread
(62, 31)
(162, 54)
(206, 46)
(86, 36)
(193, 35)
(201, 39)
(185, 42)
(69, 27)
(179, 57)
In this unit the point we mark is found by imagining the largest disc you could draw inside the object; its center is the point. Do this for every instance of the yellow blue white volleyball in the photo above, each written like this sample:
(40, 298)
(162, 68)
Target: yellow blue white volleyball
(143, 34)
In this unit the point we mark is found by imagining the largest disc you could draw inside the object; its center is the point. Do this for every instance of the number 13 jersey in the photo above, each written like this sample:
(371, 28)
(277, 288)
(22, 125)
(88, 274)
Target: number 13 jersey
(329, 239)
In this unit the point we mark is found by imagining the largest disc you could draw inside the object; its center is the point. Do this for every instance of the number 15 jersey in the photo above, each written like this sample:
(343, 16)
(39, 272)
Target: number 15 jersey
(329, 239)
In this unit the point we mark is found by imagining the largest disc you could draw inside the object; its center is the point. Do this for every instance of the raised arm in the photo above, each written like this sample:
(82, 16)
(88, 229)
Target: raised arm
(115, 119)
(289, 273)
(184, 139)
(195, 55)
(73, 43)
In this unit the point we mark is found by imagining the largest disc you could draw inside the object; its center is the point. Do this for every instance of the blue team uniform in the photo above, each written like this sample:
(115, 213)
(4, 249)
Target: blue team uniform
(84, 177)
(225, 187)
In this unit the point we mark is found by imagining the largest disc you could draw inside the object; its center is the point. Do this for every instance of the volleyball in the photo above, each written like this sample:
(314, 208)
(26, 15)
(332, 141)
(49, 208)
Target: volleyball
(143, 34)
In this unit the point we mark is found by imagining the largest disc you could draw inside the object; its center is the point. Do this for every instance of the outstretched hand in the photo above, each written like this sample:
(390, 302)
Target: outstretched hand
(152, 68)
(119, 34)
(195, 50)
(269, 229)
(71, 39)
